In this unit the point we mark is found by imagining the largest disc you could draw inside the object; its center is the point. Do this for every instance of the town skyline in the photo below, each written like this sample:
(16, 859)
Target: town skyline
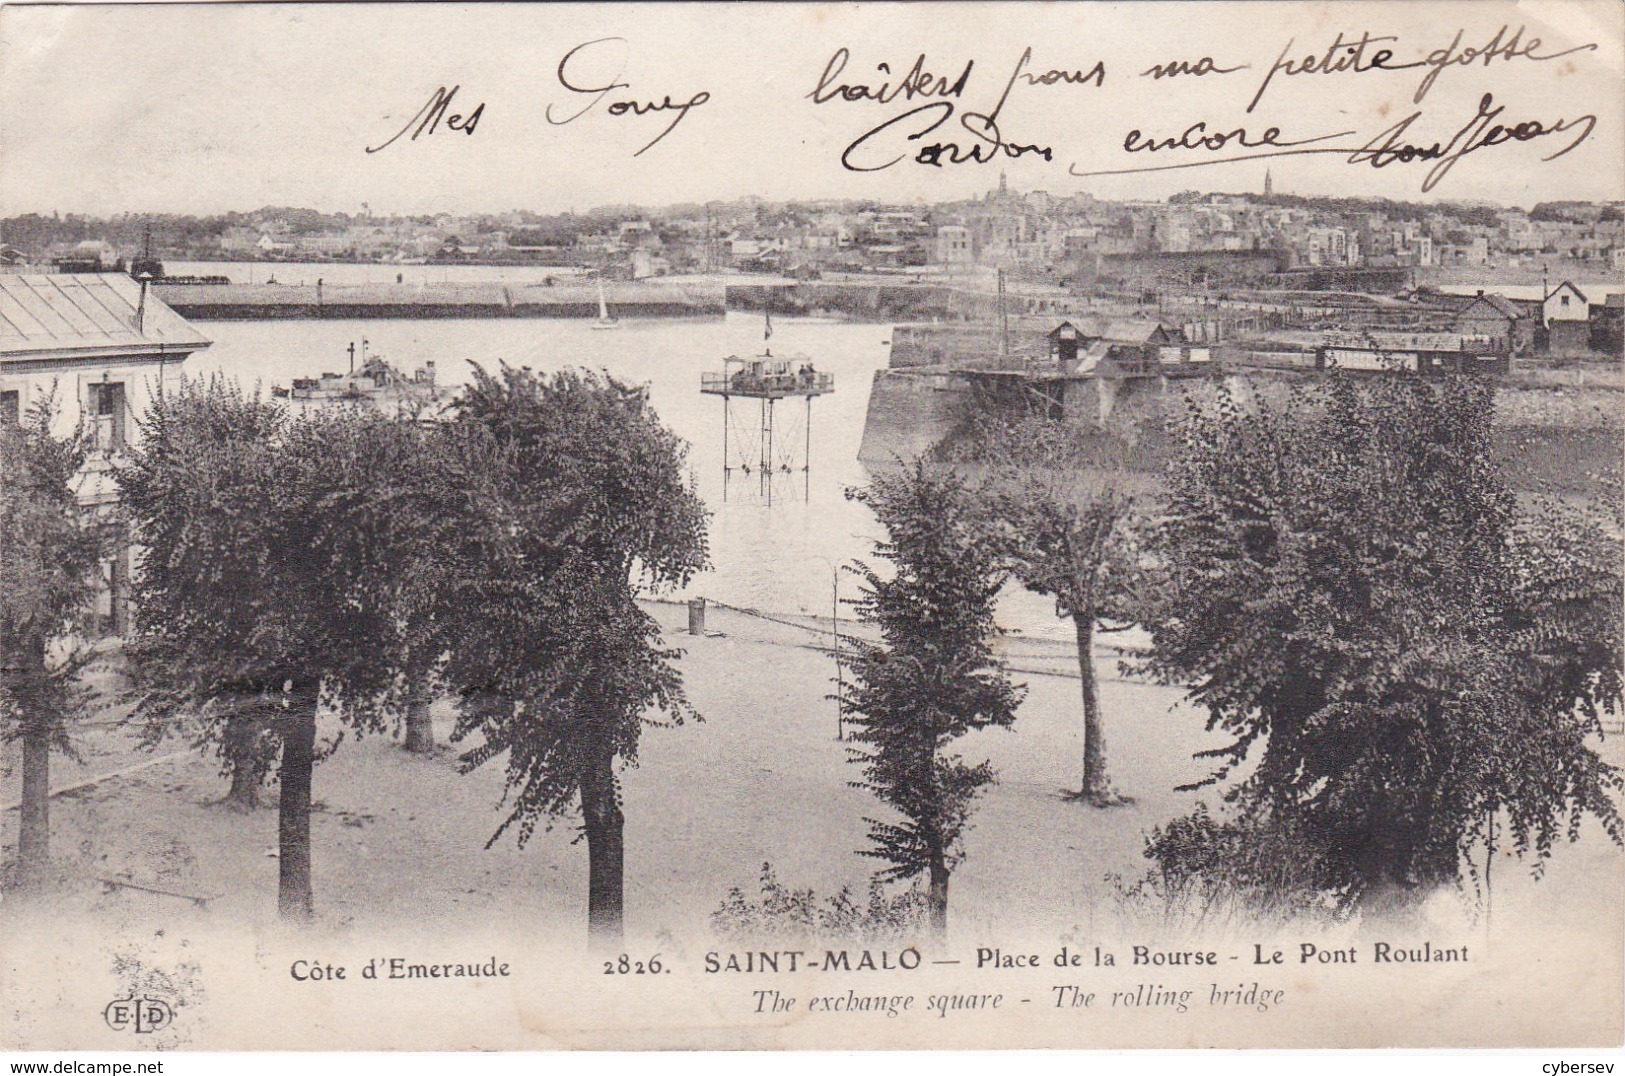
(1035, 235)
(366, 210)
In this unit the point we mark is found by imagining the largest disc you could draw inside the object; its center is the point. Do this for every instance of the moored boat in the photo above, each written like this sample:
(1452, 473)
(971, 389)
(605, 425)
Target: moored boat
(375, 382)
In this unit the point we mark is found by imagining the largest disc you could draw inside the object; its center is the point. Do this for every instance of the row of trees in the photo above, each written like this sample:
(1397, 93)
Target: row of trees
(352, 564)
(1343, 583)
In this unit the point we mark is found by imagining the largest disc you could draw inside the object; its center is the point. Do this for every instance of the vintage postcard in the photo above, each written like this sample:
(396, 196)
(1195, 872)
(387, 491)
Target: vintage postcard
(804, 526)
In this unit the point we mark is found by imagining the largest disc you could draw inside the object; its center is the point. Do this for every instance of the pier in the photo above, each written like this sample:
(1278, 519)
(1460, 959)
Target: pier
(655, 298)
(272, 302)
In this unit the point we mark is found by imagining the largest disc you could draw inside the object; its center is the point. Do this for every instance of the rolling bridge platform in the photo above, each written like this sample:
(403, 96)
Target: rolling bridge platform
(768, 380)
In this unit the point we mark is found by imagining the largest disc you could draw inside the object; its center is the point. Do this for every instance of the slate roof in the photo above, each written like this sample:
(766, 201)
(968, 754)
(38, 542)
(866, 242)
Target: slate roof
(1499, 303)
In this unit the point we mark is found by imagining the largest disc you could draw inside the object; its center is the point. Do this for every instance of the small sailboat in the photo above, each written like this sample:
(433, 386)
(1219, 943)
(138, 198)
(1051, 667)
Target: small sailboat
(604, 320)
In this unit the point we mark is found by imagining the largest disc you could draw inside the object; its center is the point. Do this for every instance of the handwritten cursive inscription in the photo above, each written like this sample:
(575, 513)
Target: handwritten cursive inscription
(1512, 48)
(429, 116)
(574, 76)
(917, 82)
(1357, 56)
(1389, 147)
(1340, 56)
(1207, 65)
(1481, 132)
(981, 141)
(1197, 136)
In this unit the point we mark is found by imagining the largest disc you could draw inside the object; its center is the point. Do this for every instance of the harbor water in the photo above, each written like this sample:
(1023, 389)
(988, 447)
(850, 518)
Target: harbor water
(779, 557)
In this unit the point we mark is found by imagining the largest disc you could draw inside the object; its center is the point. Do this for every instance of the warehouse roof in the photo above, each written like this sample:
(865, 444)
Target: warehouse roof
(87, 315)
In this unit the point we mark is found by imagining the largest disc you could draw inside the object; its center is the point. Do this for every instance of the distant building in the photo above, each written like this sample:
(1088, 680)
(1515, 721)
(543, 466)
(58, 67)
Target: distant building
(1331, 246)
(323, 245)
(89, 256)
(238, 239)
(102, 344)
(637, 233)
(955, 249)
(1510, 330)
(1564, 303)
(268, 246)
(646, 263)
(454, 249)
(1568, 321)
(1421, 353)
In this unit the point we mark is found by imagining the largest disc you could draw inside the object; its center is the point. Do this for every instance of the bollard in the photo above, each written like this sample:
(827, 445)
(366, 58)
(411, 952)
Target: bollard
(696, 616)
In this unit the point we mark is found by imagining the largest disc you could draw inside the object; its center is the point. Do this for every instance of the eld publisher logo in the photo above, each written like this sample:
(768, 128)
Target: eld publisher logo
(141, 1015)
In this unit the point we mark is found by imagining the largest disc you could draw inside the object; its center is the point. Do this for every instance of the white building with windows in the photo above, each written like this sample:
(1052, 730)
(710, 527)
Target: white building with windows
(955, 248)
(102, 345)
(1565, 303)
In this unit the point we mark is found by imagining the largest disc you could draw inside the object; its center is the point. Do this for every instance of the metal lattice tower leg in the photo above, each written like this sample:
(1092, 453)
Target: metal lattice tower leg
(727, 463)
(767, 448)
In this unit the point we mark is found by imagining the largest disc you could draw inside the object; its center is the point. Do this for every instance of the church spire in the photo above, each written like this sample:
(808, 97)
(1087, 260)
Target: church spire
(1269, 183)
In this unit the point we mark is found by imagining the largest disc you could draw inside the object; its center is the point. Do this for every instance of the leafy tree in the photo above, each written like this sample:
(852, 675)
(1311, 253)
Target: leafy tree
(555, 664)
(1062, 499)
(931, 678)
(263, 595)
(49, 553)
(1352, 590)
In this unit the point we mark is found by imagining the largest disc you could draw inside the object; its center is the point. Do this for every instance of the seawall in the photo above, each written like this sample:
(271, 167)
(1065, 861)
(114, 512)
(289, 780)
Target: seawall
(238, 302)
(910, 413)
(868, 300)
(964, 343)
(1565, 441)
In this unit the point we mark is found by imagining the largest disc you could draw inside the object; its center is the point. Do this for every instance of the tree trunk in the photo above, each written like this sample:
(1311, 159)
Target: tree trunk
(419, 725)
(34, 826)
(34, 822)
(937, 897)
(606, 854)
(242, 737)
(1097, 787)
(294, 902)
(245, 788)
(1398, 867)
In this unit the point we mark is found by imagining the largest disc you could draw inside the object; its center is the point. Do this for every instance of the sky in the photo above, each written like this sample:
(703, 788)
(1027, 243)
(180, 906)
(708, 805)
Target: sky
(203, 108)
